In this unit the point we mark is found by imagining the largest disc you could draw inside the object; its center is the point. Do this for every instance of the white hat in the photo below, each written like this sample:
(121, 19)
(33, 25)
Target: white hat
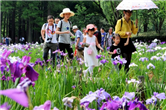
(75, 27)
(67, 10)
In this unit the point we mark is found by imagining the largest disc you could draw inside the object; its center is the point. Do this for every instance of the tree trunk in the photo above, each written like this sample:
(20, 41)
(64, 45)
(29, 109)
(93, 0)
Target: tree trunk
(13, 22)
(1, 26)
(10, 26)
(23, 31)
(29, 31)
(145, 27)
(4, 25)
(7, 25)
(48, 7)
(19, 26)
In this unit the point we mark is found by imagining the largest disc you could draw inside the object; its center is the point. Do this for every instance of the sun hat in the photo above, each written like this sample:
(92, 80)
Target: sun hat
(89, 26)
(74, 27)
(66, 10)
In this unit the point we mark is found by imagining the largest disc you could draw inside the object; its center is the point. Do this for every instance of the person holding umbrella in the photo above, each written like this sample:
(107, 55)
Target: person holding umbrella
(125, 27)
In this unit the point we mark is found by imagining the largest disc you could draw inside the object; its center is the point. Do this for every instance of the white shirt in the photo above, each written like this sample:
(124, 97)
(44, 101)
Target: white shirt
(49, 34)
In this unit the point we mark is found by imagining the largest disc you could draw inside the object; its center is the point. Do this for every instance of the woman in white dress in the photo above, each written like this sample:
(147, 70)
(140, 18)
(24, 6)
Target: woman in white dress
(90, 52)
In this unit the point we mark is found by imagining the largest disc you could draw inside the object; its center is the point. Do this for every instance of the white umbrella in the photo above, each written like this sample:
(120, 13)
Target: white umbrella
(136, 5)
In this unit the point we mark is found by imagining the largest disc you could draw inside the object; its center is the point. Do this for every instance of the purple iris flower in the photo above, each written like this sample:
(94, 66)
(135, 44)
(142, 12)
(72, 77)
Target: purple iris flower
(18, 94)
(98, 56)
(31, 73)
(63, 54)
(5, 106)
(152, 45)
(2, 68)
(150, 65)
(113, 105)
(108, 48)
(163, 42)
(150, 50)
(5, 54)
(136, 104)
(4, 58)
(45, 106)
(155, 57)
(115, 62)
(38, 61)
(98, 95)
(74, 87)
(18, 68)
(159, 96)
(103, 61)
(128, 95)
(57, 51)
(143, 59)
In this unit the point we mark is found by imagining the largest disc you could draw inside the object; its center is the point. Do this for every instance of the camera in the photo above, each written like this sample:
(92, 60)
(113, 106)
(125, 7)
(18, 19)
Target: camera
(49, 39)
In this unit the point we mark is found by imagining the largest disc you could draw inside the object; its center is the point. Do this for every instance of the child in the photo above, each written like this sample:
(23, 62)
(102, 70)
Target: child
(90, 52)
(115, 49)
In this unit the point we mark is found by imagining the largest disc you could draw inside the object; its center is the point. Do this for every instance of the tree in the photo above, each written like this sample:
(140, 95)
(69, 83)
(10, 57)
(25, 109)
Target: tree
(158, 15)
(109, 9)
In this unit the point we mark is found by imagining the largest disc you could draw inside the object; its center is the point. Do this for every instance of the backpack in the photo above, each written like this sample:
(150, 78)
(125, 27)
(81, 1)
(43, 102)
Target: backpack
(61, 28)
(122, 23)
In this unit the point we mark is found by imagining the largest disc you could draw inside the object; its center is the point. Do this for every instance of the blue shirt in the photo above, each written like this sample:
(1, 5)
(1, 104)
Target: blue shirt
(103, 35)
(78, 34)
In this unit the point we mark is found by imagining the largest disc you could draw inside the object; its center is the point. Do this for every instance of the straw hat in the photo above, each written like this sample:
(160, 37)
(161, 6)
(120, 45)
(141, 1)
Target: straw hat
(67, 10)
(89, 26)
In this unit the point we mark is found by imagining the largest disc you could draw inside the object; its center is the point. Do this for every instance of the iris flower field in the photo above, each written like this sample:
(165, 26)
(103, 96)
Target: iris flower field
(28, 84)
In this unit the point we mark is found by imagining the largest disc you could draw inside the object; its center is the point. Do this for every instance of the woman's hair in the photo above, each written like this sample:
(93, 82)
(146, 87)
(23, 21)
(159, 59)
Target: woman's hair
(127, 11)
(103, 28)
(50, 17)
(116, 35)
(93, 29)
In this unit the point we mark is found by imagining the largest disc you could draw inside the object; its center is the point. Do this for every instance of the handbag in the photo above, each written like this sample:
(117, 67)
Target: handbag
(89, 51)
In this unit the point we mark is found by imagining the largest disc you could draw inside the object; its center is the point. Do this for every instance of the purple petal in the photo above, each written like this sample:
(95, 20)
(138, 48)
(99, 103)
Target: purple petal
(45, 106)
(6, 53)
(161, 96)
(18, 71)
(5, 106)
(130, 95)
(26, 59)
(17, 95)
(31, 73)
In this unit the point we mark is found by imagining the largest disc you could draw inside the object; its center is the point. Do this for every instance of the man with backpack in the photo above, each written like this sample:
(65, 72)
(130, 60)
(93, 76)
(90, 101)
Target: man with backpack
(63, 29)
(50, 41)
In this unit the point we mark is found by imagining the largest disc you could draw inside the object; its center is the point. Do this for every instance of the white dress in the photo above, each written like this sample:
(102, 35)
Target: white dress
(90, 60)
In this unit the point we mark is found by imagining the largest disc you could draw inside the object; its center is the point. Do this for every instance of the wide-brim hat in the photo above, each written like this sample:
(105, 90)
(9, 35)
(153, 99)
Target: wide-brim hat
(89, 26)
(66, 10)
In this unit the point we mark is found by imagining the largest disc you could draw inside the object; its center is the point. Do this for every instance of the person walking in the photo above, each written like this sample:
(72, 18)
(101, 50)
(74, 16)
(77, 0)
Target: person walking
(50, 42)
(108, 39)
(78, 39)
(103, 35)
(125, 27)
(90, 52)
(63, 29)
